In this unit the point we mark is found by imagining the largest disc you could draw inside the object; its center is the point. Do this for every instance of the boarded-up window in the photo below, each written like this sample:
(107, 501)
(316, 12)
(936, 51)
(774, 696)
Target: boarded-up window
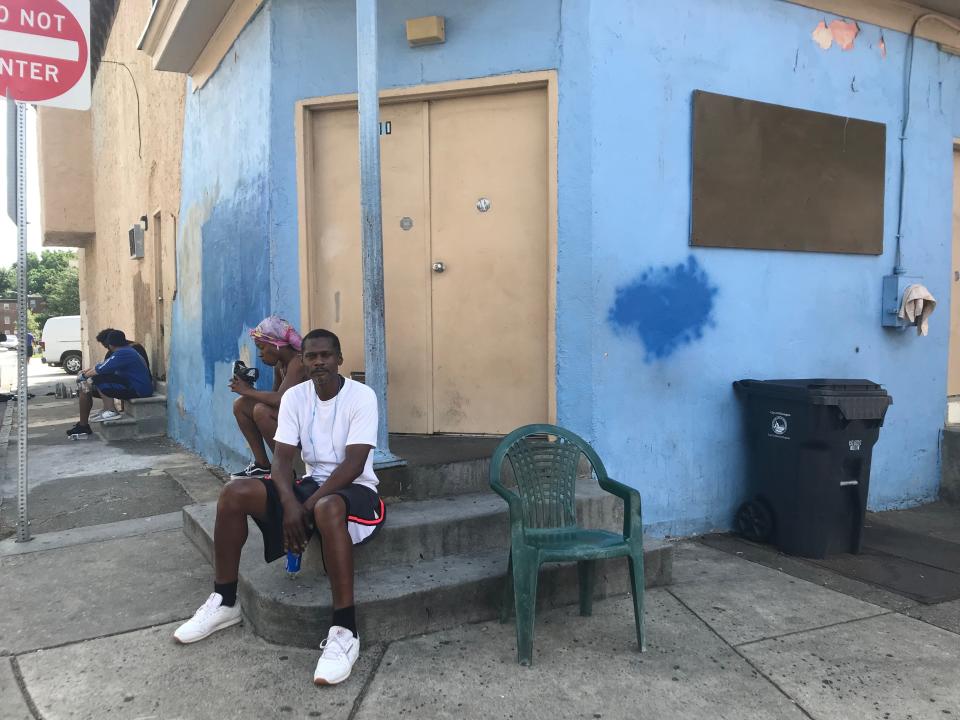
(776, 178)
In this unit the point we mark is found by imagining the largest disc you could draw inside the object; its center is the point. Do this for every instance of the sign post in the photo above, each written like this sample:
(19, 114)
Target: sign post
(45, 60)
(23, 524)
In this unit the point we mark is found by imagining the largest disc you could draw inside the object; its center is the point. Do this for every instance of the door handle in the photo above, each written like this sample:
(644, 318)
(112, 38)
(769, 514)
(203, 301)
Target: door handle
(439, 267)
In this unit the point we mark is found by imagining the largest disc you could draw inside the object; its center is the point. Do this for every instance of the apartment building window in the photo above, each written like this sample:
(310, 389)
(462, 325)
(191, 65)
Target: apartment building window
(6, 319)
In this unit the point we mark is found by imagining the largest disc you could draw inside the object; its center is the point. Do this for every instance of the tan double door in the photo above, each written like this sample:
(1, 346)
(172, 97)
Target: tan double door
(466, 256)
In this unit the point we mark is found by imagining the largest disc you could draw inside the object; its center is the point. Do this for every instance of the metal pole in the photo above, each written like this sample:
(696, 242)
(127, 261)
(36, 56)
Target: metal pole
(371, 218)
(23, 525)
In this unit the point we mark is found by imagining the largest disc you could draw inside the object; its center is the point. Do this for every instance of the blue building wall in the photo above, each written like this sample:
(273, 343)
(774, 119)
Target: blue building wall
(664, 416)
(223, 252)
(658, 402)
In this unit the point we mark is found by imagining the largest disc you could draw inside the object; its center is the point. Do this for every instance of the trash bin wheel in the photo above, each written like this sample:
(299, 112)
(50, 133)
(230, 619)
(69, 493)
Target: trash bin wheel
(755, 521)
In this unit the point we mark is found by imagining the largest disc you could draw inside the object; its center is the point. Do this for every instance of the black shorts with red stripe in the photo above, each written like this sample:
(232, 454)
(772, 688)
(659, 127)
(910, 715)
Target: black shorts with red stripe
(365, 514)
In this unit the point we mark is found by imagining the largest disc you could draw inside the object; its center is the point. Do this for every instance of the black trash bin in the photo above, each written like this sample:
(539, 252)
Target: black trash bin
(810, 445)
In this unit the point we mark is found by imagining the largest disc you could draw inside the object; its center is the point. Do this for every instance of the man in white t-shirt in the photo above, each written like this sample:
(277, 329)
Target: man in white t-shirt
(334, 421)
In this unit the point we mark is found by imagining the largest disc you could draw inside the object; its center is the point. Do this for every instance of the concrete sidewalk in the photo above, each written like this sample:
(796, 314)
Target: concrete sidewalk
(90, 605)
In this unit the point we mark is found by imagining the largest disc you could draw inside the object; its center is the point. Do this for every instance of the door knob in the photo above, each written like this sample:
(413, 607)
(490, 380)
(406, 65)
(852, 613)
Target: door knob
(439, 267)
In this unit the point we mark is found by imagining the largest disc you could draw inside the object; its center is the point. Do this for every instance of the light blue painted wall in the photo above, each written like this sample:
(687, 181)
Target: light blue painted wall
(238, 238)
(314, 54)
(222, 245)
(669, 425)
(661, 412)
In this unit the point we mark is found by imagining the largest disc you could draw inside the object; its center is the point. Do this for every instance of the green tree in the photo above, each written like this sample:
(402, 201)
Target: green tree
(33, 325)
(8, 282)
(63, 294)
(53, 275)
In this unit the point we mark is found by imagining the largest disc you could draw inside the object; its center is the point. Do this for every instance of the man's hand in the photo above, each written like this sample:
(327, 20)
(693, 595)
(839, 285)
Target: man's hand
(240, 387)
(296, 521)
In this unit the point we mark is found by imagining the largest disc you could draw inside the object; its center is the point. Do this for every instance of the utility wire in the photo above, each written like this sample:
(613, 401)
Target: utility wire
(907, 75)
(137, 93)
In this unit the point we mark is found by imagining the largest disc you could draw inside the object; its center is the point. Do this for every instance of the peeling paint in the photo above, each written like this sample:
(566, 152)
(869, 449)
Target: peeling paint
(844, 33)
(822, 36)
(883, 47)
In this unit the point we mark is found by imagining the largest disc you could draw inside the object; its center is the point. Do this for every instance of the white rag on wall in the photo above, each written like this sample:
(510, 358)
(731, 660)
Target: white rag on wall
(917, 306)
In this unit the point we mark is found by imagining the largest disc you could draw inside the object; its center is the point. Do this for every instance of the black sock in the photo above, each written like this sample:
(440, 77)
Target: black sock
(346, 618)
(228, 591)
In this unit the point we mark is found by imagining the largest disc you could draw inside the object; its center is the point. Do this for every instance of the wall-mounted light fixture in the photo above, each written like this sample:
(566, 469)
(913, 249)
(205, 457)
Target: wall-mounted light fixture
(428, 30)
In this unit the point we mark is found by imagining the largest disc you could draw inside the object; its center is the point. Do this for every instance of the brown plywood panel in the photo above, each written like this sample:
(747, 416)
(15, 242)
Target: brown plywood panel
(769, 177)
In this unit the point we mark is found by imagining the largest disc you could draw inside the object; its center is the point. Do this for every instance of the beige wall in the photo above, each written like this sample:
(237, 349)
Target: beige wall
(66, 177)
(130, 182)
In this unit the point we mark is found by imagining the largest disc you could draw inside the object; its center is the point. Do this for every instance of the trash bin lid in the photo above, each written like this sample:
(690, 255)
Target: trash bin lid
(856, 399)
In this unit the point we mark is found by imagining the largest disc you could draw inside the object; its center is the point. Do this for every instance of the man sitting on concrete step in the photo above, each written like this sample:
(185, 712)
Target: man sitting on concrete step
(123, 375)
(334, 420)
(109, 409)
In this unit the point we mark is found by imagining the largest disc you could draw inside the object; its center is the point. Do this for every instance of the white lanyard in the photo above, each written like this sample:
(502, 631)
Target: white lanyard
(333, 423)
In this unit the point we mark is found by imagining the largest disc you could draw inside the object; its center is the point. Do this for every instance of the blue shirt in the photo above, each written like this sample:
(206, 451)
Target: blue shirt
(127, 363)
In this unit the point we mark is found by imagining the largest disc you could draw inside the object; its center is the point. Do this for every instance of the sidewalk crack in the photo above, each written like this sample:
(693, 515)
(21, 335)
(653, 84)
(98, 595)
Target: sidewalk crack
(366, 685)
(747, 660)
(22, 684)
(818, 627)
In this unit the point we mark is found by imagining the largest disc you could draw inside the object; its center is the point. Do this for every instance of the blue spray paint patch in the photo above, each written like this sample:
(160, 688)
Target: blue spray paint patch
(236, 277)
(668, 307)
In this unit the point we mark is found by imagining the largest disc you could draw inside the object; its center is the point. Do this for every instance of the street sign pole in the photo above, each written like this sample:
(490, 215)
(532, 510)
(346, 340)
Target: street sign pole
(45, 55)
(23, 524)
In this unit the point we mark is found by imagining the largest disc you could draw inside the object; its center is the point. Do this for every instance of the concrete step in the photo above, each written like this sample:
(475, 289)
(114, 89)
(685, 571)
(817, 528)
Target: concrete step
(950, 465)
(435, 479)
(437, 466)
(407, 598)
(142, 408)
(127, 428)
(428, 529)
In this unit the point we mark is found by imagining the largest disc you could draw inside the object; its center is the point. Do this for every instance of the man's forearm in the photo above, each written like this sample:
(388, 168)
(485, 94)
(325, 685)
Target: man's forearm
(281, 474)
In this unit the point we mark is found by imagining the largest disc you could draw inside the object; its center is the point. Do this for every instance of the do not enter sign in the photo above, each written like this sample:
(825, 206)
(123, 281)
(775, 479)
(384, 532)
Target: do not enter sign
(45, 52)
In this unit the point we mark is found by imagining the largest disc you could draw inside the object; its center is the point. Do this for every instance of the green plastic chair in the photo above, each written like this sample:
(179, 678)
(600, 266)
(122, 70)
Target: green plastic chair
(543, 523)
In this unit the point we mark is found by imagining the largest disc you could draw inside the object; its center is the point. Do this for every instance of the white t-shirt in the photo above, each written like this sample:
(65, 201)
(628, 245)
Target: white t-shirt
(324, 428)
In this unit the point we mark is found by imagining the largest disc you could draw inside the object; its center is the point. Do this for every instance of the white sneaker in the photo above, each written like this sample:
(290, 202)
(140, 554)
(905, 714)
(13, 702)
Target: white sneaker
(95, 416)
(340, 651)
(108, 415)
(210, 617)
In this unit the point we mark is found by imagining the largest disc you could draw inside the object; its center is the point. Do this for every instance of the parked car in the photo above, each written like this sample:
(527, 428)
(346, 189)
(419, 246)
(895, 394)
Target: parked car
(8, 341)
(60, 343)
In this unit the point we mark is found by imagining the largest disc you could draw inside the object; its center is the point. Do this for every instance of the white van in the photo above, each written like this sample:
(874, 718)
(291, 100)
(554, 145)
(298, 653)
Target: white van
(60, 341)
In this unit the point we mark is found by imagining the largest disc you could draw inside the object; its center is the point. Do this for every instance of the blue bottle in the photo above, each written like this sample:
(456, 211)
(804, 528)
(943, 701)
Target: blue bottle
(293, 563)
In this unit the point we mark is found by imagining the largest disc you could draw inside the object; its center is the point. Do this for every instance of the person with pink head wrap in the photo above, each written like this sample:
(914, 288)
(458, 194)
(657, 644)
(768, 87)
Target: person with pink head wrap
(278, 345)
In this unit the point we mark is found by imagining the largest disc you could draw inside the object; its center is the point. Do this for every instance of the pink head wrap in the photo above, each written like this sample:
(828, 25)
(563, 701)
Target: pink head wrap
(278, 332)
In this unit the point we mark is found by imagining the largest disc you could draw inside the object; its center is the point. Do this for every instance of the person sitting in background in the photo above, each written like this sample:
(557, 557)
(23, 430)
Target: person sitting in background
(108, 405)
(122, 375)
(278, 345)
(102, 339)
